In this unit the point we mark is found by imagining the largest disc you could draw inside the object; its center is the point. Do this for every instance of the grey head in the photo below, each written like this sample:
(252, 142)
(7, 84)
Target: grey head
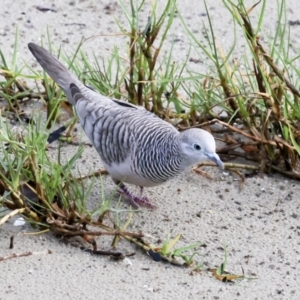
(198, 145)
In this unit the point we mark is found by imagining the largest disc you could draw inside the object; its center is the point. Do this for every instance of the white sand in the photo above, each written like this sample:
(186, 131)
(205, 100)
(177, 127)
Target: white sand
(260, 224)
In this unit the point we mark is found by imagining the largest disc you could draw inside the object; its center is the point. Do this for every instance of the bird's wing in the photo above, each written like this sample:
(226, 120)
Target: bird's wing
(107, 126)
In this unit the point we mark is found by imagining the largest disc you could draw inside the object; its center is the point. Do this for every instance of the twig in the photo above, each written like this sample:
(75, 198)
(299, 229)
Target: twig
(97, 233)
(202, 173)
(113, 254)
(36, 232)
(95, 174)
(11, 214)
(11, 243)
(30, 96)
(241, 176)
(276, 70)
(229, 166)
(24, 254)
(140, 243)
(292, 174)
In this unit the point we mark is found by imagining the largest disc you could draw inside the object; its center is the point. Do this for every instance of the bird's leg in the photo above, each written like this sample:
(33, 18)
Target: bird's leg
(136, 201)
(141, 190)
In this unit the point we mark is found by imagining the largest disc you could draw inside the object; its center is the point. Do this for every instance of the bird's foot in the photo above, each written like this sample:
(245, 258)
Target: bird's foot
(138, 201)
(134, 200)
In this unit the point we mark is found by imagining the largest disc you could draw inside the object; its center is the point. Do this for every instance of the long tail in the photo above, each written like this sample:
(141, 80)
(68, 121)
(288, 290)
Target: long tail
(56, 70)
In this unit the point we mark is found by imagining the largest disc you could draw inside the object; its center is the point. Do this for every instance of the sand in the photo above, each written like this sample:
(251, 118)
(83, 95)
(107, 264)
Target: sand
(259, 224)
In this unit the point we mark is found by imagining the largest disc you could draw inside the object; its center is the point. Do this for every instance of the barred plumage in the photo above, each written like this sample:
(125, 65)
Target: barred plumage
(135, 146)
(159, 156)
(117, 134)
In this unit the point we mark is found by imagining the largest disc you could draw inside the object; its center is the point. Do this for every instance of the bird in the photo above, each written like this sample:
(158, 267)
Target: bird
(136, 146)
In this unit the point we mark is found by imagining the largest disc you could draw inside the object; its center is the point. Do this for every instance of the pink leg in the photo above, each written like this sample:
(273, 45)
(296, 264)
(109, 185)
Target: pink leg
(141, 190)
(135, 201)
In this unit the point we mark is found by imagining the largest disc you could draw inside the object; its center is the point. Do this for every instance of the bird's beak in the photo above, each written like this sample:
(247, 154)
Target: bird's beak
(216, 159)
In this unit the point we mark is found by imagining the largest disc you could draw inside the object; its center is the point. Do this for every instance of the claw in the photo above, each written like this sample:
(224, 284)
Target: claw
(134, 200)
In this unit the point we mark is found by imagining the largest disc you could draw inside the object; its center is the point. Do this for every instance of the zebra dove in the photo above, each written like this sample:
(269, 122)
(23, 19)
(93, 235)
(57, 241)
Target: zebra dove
(135, 146)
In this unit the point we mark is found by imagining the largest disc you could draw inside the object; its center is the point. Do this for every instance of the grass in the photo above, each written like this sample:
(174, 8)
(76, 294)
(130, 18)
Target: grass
(257, 107)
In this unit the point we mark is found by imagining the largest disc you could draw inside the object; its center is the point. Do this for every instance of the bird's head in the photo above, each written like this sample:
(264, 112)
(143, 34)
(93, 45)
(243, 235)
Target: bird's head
(198, 145)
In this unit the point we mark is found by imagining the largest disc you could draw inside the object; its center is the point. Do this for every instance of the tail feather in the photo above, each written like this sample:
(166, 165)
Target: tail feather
(55, 69)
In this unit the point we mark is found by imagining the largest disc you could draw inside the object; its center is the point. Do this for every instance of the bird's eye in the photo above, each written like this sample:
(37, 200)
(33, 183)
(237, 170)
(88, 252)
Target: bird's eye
(197, 147)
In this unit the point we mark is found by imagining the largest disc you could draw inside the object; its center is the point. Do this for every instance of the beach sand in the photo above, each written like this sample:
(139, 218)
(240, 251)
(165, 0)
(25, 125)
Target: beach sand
(259, 224)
